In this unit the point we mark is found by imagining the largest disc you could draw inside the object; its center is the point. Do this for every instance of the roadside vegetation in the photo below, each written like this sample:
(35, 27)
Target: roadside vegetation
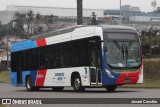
(4, 77)
(3, 105)
(147, 83)
(152, 68)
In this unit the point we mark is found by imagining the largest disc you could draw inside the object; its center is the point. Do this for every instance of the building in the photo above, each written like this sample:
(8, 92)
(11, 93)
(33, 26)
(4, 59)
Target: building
(8, 15)
(130, 8)
(130, 13)
(57, 11)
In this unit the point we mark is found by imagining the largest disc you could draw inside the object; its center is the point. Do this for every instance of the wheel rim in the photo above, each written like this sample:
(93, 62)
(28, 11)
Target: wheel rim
(77, 83)
(28, 84)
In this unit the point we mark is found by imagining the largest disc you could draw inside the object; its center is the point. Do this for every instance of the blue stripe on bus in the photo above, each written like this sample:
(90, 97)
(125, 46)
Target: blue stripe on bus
(33, 77)
(106, 80)
(34, 44)
(28, 44)
(13, 78)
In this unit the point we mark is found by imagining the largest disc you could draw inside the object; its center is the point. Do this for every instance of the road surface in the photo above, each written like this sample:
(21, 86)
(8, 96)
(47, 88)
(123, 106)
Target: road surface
(8, 91)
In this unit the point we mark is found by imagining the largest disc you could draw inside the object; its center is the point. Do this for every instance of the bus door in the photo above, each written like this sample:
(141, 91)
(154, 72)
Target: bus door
(94, 55)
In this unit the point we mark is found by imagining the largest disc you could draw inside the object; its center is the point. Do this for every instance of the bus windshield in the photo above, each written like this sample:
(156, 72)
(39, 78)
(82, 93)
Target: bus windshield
(123, 50)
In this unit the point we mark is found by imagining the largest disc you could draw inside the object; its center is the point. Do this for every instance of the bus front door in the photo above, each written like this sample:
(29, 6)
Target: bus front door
(94, 55)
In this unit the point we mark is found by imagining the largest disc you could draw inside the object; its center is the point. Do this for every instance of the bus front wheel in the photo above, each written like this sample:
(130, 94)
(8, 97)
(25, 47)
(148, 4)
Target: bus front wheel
(111, 88)
(77, 85)
(29, 86)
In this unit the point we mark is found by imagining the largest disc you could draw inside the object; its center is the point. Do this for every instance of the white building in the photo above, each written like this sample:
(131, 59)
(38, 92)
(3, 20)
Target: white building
(144, 19)
(57, 11)
(6, 16)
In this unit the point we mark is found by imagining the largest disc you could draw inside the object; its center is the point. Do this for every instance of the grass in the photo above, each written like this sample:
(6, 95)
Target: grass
(152, 59)
(3, 105)
(146, 84)
(4, 77)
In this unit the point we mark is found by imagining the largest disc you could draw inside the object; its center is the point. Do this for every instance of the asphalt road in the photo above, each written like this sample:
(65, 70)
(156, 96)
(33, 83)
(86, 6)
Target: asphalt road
(8, 91)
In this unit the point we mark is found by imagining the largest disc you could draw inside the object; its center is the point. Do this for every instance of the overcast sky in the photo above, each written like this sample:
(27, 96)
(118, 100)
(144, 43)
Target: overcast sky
(145, 5)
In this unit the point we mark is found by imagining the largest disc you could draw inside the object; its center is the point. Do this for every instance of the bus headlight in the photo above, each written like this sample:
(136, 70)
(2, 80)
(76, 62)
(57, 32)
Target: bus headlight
(109, 73)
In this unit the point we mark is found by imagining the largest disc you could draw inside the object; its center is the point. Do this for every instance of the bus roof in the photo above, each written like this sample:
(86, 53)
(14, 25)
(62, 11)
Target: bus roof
(51, 38)
(72, 28)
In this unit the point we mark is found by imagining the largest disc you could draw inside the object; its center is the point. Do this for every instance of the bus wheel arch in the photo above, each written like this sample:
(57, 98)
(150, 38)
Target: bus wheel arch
(28, 84)
(76, 82)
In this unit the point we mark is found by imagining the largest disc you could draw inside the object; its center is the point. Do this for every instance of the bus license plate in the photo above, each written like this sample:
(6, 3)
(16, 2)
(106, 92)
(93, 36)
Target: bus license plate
(127, 80)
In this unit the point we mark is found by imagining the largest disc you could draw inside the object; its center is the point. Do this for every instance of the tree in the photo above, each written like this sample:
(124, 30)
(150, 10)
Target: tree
(2, 30)
(93, 20)
(79, 12)
(29, 20)
(19, 24)
(49, 20)
(27, 24)
(37, 24)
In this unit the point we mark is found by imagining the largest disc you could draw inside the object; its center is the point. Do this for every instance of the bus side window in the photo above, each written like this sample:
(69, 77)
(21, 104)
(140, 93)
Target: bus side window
(66, 56)
(44, 58)
(56, 58)
(34, 62)
(80, 55)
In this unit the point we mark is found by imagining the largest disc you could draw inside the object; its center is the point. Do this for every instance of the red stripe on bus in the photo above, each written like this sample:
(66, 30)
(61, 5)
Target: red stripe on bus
(41, 42)
(41, 77)
(133, 76)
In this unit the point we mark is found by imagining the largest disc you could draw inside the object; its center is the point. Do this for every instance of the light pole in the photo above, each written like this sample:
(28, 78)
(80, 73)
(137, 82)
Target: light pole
(120, 12)
(79, 12)
(7, 52)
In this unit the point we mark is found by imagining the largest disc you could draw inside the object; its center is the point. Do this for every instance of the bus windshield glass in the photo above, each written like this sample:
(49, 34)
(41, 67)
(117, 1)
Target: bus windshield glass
(123, 50)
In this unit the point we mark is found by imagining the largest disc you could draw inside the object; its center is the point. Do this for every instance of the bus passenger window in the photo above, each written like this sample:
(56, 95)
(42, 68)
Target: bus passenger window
(56, 63)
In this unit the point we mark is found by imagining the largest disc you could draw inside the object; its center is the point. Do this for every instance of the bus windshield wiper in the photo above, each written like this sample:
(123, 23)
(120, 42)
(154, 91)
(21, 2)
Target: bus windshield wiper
(126, 51)
(117, 44)
(121, 48)
(130, 44)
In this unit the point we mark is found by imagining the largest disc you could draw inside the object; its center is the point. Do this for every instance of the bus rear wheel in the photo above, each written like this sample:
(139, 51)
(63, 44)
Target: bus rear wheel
(29, 86)
(111, 88)
(77, 85)
(57, 88)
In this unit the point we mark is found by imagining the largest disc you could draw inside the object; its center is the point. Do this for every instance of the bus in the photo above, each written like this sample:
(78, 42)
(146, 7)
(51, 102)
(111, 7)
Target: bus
(80, 57)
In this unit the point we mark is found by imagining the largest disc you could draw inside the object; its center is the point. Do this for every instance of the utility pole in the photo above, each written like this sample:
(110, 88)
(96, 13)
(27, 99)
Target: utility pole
(150, 40)
(120, 12)
(79, 12)
(7, 53)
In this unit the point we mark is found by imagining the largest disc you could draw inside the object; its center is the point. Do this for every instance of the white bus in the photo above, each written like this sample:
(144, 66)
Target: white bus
(78, 56)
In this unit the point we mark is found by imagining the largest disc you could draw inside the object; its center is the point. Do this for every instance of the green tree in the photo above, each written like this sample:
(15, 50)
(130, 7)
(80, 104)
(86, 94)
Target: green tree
(93, 20)
(19, 23)
(2, 30)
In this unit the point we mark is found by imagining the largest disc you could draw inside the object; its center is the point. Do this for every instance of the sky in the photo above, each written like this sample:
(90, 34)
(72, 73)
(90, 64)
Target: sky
(145, 5)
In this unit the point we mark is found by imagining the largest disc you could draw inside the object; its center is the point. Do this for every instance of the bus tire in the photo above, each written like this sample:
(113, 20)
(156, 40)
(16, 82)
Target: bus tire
(111, 88)
(57, 88)
(77, 85)
(29, 86)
